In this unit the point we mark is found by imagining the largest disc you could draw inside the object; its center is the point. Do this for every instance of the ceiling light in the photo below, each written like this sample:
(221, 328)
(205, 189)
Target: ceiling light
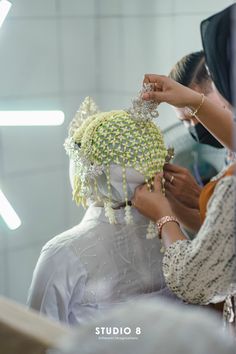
(4, 9)
(30, 118)
(8, 213)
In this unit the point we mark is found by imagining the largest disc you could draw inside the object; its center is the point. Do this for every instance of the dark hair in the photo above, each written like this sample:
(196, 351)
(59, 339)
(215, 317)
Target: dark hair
(218, 39)
(191, 69)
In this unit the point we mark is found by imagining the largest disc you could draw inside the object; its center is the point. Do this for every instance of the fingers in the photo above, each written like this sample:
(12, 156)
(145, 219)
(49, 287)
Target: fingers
(171, 177)
(157, 82)
(169, 167)
(146, 79)
(153, 78)
(157, 186)
(169, 196)
(138, 190)
(169, 187)
(133, 202)
(156, 96)
(141, 187)
(147, 96)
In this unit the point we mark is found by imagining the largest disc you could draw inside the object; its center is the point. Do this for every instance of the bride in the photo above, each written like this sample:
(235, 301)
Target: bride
(112, 255)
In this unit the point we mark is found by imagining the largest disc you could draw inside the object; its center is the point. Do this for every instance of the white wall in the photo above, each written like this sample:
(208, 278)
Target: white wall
(53, 54)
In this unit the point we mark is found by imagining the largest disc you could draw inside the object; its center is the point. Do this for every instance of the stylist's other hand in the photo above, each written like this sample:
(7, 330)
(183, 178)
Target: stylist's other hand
(181, 185)
(153, 205)
(170, 91)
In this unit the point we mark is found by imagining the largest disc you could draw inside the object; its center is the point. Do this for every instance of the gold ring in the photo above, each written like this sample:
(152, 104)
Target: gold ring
(172, 179)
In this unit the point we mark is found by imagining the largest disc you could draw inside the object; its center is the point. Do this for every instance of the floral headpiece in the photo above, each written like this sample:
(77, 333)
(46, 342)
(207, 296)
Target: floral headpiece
(127, 138)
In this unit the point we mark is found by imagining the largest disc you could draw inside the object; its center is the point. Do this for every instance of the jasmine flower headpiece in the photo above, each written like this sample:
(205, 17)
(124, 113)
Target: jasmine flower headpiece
(128, 138)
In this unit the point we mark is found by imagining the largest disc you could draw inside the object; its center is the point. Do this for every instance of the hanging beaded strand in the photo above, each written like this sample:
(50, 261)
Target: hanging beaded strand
(96, 190)
(152, 184)
(109, 211)
(149, 187)
(128, 215)
(151, 229)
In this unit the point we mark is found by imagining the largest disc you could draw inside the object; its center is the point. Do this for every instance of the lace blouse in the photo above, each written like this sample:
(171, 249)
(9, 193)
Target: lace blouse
(204, 270)
(95, 266)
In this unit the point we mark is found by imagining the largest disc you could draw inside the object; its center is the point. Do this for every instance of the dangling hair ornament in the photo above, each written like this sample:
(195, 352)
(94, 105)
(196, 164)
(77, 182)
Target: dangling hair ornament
(141, 109)
(171, 153)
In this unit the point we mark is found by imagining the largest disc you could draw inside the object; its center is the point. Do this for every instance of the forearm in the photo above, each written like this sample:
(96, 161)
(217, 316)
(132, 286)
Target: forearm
(201, 269)
(171, 233)
(196, 271)
(214, 117)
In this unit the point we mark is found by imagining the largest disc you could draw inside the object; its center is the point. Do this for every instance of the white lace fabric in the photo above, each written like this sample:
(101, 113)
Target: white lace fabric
(204, 270)
(95, 266)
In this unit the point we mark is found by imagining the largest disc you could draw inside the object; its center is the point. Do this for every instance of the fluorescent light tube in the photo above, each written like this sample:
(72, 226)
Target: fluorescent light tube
(31, 118)
(4, 9)
(8, 213)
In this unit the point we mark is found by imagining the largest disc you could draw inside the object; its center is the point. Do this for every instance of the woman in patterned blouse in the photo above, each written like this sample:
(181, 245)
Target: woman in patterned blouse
(203, 270)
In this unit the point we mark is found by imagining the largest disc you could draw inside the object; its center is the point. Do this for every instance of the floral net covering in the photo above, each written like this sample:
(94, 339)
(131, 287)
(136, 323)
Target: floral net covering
(128, 138)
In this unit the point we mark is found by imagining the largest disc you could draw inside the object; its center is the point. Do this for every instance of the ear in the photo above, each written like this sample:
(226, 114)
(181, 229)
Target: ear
(87, 109)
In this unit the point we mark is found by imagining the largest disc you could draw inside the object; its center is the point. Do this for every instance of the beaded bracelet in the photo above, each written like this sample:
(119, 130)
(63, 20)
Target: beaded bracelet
(162, 221)
(194, 113)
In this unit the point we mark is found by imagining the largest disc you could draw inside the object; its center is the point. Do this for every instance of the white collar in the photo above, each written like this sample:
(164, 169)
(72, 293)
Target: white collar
(94, 213)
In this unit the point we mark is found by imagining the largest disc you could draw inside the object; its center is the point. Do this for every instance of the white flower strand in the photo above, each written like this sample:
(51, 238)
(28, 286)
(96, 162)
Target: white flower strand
(109, 212)
(151, 231)
(128, 215)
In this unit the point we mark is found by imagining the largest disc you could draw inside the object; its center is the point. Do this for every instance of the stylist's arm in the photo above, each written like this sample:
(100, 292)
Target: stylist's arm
(156, 207)
(212, 116)
(183, 192)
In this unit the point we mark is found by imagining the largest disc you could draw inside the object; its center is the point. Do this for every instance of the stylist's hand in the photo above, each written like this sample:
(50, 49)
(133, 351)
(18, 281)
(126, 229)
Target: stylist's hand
(181, 186)
(170, 91)
(153, 205)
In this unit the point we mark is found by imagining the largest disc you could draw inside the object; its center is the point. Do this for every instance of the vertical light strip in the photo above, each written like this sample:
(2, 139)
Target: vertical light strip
(8, 213)
(4, 9)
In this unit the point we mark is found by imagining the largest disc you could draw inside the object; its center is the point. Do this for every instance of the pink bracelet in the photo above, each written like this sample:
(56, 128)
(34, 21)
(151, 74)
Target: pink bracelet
(162, 221)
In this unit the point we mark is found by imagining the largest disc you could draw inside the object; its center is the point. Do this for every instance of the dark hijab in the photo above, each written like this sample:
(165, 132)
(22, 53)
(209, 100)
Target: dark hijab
(217, 33)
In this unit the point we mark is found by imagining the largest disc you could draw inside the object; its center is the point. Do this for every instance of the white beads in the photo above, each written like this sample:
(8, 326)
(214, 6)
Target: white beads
(151, 231)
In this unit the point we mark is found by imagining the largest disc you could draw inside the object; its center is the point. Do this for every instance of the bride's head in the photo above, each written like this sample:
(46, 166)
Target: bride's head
(111, 153)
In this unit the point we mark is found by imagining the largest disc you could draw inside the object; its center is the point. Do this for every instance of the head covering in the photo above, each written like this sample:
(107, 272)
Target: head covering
(151, 327)
(216, 32)
(113, 152)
